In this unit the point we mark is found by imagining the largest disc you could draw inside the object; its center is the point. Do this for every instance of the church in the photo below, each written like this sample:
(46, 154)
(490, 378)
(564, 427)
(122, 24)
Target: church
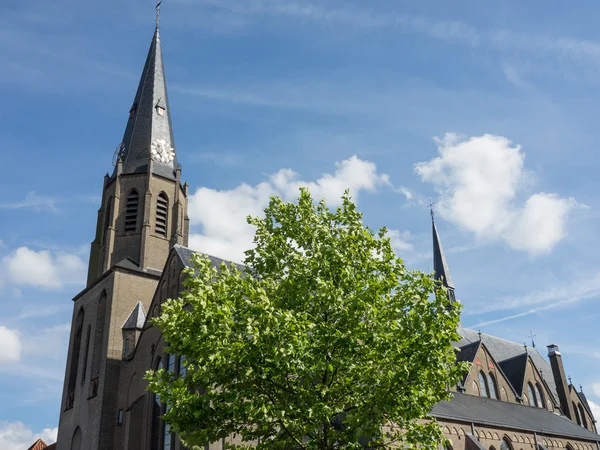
(514, 398)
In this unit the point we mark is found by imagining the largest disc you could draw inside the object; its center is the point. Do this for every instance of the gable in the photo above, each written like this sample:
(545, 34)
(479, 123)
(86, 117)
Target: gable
(485, 370)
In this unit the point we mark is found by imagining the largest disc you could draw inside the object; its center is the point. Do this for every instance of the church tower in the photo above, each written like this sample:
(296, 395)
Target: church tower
(142, 216)
(143, 210)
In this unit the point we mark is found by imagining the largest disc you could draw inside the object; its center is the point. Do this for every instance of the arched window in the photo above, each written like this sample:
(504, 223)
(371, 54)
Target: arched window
(476, 388)
(540, 396)
(447, 445)
(168, 437)
(492, 447)
(505, 444)
(492, 386)
(76, 440)
(503, 394)
(485, 390)
(86, 354)
(182, 367)
(162, 214)
(576, 412)
(108, 213)
(131, 211)
(78, 329)
(582, 416)
(170, 364)
(156, 411)
(98, 353)
(532, 397)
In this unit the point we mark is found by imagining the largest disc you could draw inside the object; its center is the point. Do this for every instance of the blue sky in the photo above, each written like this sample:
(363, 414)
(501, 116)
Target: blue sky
(488, 109)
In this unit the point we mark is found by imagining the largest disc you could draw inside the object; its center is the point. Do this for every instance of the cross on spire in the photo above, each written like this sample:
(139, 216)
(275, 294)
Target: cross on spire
(431, 205)
(531, 335)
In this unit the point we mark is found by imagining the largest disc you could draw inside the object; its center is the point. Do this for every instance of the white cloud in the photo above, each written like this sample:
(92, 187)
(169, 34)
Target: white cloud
(33, 201)
(399, 240)
(583, 286)
(16, 436)
(43, 269)
(10, 346)
(453, 31)
(222, 214)
(596, 390)
(478, 181)
(595, 409)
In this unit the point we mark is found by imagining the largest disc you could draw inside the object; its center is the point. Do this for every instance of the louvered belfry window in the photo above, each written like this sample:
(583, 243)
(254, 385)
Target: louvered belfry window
(162, 212)
(131, 211)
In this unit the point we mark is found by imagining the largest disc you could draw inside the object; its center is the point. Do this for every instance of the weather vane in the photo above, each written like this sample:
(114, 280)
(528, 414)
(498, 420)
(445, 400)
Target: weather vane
(158, 12)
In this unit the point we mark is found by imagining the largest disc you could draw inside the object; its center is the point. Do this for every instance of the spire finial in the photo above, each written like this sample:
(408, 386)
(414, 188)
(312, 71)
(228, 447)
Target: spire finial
(570, 381)
(479, 334)
(431, 205)
(581, 388)
(158, 12)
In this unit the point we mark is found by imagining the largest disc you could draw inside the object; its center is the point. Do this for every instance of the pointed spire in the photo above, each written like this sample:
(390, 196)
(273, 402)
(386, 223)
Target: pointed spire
(440, 266)
(149, 133)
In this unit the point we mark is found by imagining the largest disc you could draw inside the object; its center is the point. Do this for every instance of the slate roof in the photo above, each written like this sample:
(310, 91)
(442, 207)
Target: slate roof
(514, 369)
(584, 400)
(468, 352)
(145, 125)
(130, 264)
(136, 319)
(186, 253)
(501, 350)
(484, 411)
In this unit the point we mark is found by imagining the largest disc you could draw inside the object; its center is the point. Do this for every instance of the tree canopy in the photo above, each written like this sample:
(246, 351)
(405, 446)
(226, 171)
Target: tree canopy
(324, 341)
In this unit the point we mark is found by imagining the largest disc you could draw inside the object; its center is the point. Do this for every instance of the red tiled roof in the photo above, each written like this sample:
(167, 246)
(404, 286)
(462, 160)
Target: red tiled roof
(39, 445)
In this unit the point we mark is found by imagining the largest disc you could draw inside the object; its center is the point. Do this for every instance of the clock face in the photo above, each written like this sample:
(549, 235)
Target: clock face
(162, 151)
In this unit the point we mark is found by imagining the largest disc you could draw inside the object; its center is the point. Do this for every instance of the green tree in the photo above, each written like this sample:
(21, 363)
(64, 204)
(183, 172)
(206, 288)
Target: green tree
(323, 341)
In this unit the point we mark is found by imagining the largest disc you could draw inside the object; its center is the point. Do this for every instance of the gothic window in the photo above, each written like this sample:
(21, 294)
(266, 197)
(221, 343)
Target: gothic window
(485, 390)
(505, 445)
(162, 213)
(503, 394)
(170, 363)
(108, 213)
(582, 416)
(128, 343)
(182, 367)
(492, 386)
(540, 396)
(75, 358)
(476, 388)
(532, 398)
(86, 354)
(167, 435)
(76, 440)
(156, 411)
(131, 211)
(576, 412)
(447, 446)
(98, 338)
